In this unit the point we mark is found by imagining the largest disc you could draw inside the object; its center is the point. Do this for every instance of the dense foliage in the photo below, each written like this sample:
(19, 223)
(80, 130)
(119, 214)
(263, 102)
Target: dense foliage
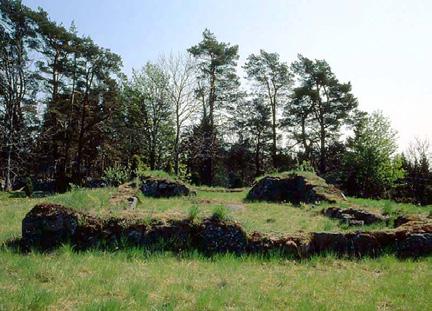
(68, 114)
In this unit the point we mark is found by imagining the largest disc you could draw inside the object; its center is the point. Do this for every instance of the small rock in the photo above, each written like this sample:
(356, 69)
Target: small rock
(132, 202)
(354, 222)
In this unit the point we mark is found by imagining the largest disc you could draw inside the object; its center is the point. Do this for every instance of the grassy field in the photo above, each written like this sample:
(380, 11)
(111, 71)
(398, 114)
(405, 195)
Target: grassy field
(135, 280)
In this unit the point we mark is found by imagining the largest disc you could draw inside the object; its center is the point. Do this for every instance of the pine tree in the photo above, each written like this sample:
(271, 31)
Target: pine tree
(273, 80)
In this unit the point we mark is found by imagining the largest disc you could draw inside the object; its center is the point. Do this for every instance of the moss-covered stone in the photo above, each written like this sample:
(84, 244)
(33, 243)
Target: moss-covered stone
(294, 187)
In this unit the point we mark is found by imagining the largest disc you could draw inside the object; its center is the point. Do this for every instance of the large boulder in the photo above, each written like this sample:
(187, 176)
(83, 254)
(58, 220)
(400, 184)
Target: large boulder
(47, 226)
(163, 188)
(294, 188)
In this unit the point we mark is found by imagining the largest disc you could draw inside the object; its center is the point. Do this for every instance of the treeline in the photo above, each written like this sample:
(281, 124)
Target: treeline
(68, 113)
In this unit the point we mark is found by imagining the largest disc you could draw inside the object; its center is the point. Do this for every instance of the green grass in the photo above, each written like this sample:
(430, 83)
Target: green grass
(132, 280)
(158, 174)
(135, 279)
(392, 208)
(284, 174)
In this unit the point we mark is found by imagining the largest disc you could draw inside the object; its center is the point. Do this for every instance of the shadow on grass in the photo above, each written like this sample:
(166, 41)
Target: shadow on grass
(131, 251)
(14, 245)
(145, 253)
(22, 195)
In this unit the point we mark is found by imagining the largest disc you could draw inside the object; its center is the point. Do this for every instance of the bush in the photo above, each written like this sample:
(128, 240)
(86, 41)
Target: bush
(28, 187)
(157, 174)
(137, 168)
(305, 166)
(116, 175)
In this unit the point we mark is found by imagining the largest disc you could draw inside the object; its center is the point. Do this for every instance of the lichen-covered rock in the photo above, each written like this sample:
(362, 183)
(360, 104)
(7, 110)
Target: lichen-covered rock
(364, 244)
(163, 188)
(289, 246)
(173, 235)
(217, 236)
(415, 245)
(294, 188)
(354, 216)
(329, 242)
(48, 226)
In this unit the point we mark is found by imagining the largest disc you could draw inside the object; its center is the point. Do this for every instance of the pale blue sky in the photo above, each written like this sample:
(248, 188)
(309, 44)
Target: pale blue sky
(383, 47)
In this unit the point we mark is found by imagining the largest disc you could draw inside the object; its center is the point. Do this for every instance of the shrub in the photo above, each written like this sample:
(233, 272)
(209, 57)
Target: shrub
(157, 174)
(305, 166)
(116, 175)
(137, 168)
(28, 187)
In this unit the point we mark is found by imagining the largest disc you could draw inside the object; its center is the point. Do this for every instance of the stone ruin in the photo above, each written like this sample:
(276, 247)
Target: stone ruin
(354, 216)
(163, 188)
(296, 188)
(48, 226)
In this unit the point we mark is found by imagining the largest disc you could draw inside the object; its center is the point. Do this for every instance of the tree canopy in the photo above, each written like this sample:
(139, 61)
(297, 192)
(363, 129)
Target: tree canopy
(68, 114)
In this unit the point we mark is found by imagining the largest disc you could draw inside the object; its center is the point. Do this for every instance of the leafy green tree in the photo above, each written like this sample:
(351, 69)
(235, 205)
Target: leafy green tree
(370, 166)
(272, 79)
(322, 101)
(148, 117)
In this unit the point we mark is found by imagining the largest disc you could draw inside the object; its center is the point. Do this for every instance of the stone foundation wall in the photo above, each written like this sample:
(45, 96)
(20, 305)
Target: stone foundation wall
(48, 226)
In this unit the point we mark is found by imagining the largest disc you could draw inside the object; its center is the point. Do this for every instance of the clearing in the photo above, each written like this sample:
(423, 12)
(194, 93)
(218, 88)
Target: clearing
(134, 279)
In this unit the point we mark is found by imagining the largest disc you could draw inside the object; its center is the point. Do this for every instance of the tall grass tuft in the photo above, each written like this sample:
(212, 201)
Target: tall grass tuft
(220, 213)
(193, 212)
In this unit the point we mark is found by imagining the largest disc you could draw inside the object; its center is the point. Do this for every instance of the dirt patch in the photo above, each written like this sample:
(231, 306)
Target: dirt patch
(126, 194)
(235, 207)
